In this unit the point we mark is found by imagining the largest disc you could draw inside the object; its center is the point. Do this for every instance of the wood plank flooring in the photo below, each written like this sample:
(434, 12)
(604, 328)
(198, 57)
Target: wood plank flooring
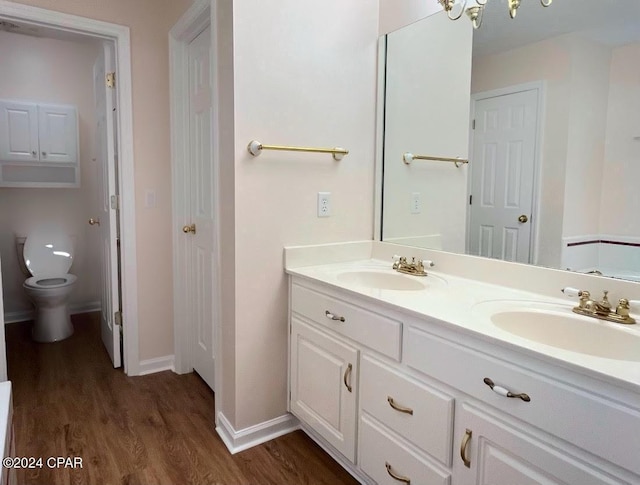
(156, 429)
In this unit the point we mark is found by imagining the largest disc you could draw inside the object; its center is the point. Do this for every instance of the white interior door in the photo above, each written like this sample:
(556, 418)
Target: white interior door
(107, 210)
(202, 202)
(502, 172)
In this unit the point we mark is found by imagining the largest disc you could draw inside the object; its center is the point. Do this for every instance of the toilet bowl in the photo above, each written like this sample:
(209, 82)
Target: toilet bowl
(48, 255)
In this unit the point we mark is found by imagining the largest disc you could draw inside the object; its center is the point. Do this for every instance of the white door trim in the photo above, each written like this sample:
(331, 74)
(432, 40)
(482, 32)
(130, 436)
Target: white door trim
(192, 23)
(120, 35)
(540, 87)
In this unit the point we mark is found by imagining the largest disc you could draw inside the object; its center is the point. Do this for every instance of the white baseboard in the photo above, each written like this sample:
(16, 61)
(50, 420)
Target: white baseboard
(19, 316)
(246, 438)
(159, 364)
(75, 308)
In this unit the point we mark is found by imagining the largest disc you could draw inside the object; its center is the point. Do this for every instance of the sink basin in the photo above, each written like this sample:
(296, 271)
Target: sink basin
(563, 329)
(384, 280)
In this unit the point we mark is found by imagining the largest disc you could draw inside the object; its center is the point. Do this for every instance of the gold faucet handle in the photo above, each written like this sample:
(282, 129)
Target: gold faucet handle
(585, 297)
(398, 261)
(623, 307)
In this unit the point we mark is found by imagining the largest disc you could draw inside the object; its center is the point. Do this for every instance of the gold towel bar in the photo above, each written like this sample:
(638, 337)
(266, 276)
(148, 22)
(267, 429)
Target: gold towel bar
(410, 157)
(255, 147)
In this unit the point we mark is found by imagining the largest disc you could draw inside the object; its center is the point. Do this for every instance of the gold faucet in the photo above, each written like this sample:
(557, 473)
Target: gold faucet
(415, 268)
(601, 309)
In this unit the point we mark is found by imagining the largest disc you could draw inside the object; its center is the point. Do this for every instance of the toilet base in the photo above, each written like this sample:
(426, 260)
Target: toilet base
(52, 324)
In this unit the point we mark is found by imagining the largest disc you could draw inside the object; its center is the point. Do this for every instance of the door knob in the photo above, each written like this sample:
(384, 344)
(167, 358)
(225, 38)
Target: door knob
(523, 218)
(94, 222)
(189, 229)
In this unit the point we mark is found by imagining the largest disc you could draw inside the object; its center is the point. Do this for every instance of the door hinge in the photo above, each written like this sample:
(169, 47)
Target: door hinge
(117, 318)
(115, 202)
(473, 124)
(470, 199)
(111, 79)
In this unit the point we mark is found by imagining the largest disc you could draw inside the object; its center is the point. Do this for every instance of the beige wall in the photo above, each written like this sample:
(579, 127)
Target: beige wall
(56, 72)
(305, 75)
(621, 172)
(149, 21)
(414, 80)
(395, 14)
(591, 64)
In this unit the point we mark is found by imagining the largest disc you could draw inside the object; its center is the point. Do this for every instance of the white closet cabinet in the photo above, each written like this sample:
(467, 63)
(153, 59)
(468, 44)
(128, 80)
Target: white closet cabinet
(38, 145)
(19, 132)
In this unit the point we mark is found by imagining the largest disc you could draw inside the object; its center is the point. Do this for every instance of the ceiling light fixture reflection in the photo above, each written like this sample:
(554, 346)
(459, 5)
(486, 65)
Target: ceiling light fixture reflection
(455, 9)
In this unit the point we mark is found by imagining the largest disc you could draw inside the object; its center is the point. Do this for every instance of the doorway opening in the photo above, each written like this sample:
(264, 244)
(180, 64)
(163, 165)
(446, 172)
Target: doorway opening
(102, 229)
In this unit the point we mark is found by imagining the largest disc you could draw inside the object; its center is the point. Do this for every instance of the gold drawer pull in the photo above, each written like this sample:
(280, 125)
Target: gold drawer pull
(347, 375)
(391, 473)
(332, 316)
(505, 392)
(399, 408)
(463, 448)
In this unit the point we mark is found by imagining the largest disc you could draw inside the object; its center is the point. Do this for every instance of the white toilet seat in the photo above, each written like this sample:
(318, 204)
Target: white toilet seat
(50, 281)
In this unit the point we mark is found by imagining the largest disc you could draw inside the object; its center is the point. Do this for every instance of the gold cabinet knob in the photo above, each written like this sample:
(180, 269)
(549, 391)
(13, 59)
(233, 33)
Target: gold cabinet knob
(94, 222)
(189, 229)
(523, 218)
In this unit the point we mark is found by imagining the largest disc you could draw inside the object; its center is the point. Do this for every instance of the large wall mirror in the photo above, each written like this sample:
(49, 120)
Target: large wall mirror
(546, 110)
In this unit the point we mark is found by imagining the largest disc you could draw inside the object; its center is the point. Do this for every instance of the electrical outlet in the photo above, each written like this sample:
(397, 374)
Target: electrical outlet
(416, 206)
(324, 204)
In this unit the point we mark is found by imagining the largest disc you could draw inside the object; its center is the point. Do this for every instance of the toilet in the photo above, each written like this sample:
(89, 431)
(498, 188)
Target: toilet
(48, 255)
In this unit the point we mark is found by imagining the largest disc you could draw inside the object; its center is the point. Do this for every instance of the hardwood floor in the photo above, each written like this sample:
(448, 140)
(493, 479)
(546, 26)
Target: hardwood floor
(155, 429)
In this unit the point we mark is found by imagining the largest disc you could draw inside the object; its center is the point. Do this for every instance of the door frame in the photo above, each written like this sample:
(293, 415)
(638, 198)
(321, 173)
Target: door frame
(119, 34)
(189, 26)
(540, 88)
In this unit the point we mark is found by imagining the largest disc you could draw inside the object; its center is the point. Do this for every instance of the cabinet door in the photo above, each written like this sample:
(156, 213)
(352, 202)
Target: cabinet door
(324, 373)
(18, 132)
(498, 454)
(58, 129)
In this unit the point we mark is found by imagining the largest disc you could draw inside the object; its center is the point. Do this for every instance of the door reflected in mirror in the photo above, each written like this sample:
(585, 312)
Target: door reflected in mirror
(546, 108)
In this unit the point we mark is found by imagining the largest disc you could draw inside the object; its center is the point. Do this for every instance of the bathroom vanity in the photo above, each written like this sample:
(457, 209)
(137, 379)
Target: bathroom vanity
(427, 380)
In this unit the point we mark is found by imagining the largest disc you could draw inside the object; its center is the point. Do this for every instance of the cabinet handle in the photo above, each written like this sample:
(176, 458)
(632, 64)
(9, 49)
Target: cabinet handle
(44, 154)
(394, 475)
(399, 408)
(34, 153)
(464, 446)
(347, 375)
(332, 316)
(505, 392)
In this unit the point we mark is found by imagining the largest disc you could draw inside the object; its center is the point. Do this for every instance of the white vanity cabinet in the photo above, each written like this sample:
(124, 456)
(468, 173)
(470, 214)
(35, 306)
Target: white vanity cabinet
(492, 452)
(324, 374)
(415, 406)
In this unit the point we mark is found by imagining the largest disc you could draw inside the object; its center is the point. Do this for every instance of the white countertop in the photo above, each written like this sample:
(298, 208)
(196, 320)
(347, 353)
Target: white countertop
(461, 303)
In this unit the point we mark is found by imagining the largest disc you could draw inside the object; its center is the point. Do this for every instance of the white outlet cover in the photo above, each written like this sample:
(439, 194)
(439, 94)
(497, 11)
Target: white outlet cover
(416, 205)
(324, 204)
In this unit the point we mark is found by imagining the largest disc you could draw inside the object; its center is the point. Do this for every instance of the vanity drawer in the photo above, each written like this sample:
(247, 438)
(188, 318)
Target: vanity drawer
(382, 456)
(377, 332)
(583, 419)
(385, 393)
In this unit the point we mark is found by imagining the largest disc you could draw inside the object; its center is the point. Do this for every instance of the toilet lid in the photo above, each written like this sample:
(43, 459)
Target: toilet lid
(48, 252)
